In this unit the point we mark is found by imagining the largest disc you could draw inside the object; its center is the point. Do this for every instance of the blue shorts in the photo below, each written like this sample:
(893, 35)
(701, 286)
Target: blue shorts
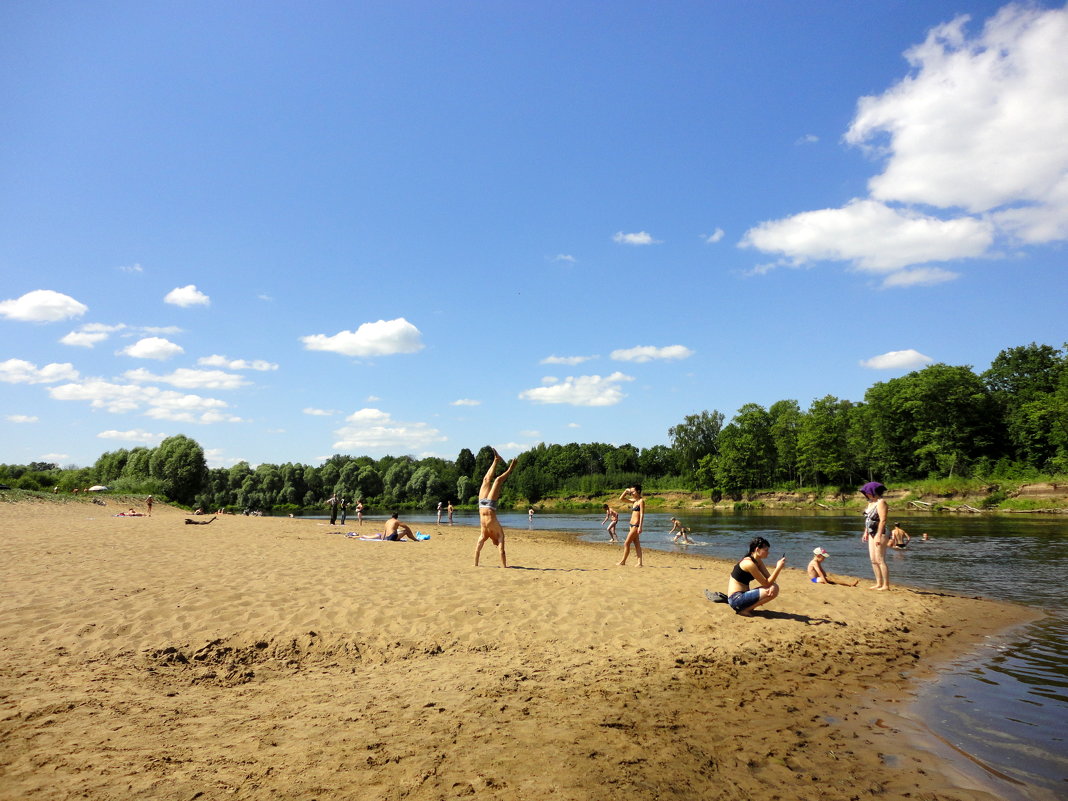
(743, 600)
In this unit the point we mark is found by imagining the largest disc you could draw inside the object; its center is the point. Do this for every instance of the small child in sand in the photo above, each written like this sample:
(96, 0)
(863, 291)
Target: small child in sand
(816, 573)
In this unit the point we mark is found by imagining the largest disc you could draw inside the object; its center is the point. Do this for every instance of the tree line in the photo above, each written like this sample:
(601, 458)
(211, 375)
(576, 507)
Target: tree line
(1010, 421)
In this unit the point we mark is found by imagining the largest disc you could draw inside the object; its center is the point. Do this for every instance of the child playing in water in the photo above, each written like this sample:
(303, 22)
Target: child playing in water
(816, 573)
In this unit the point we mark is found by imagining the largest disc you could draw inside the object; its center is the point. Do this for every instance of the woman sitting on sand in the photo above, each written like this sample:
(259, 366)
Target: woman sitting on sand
(488, 495)
(637, 520)
(751, 568)
(875, 533)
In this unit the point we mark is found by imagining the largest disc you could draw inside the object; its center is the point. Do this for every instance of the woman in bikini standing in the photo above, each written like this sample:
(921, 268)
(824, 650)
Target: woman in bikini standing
(488, 495)
(875, 533)
(637, 520)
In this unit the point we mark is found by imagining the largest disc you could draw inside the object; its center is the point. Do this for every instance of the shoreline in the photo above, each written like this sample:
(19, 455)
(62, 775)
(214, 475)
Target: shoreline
(382, 670)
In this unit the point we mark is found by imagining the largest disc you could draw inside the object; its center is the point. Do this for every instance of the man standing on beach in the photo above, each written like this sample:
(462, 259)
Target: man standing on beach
(148, 503)
(332, 503)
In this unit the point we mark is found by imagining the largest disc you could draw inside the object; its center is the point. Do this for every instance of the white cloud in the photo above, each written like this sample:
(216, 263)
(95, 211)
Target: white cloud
(21, 418)
(166, 330)
(807, 139)
(530, 434)
(919, 276)
(157, 403)
(131, 268)
(373, 399)
(186, 378)
(714, 237)
(187, 296)
(320, 412)
(383, 338)
(466, 402)
(133, 435)
(583, 390)
(571, 360)
(214, 458)
(19, 371)
(90, 334)
(977, 127)
(897, 360)
(236, 364)
(647, 353)
(54, 457)
(639, 238)
(153, 348)
(42, 306)
(564, 257)
(82, 339)
(573, 425)
(876, 237)
(375, 430)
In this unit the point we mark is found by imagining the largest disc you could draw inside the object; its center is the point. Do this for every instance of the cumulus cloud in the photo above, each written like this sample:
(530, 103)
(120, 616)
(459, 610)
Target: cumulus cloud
(157, 403)
(186, 296)
(186, 378)
(383, 338)
(897, 360)
(153, 348)
(571, 360)
(375, 430)
(974, 136)
(466, 402)
(874, 236)
(21, 418)
(714, 237)
(639, 238)
(42, 306)
(236, 364)
(19, 371)
(133, 435)
(311, 410)
(90, 334)
(583, 390)
(919, 276)
(647, 353)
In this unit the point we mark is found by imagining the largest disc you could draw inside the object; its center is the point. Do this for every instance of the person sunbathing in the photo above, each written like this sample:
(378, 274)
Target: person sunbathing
(395, 531)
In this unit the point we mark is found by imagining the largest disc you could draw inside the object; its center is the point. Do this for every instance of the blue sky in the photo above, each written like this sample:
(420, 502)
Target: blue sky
(289, 230)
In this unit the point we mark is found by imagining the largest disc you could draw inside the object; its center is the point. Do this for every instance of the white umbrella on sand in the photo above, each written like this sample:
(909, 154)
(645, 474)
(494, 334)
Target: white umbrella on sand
(97, 488)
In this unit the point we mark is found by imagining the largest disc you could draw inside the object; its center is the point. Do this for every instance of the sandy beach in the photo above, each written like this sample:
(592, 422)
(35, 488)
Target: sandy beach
(266, 658)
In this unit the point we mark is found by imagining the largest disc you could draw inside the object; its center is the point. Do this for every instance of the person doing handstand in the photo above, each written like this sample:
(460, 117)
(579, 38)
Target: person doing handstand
(488, 495)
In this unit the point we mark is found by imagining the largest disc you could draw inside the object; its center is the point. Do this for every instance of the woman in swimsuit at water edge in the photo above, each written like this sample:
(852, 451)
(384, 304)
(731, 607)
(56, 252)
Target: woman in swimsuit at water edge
(488, 495)
(752, 568)
(637, 520)
(875, 533)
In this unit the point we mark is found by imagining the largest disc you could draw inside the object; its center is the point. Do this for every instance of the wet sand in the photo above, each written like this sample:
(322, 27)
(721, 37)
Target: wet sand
(265, 658)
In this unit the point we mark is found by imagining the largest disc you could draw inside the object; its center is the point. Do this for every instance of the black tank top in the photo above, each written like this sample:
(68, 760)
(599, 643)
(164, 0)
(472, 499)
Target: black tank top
(741, 575)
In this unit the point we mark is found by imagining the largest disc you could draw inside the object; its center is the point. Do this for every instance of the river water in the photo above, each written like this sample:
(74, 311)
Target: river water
(1005, 705)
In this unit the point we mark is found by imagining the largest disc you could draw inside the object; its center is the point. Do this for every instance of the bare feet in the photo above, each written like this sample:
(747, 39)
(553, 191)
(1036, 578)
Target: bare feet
(621, 563)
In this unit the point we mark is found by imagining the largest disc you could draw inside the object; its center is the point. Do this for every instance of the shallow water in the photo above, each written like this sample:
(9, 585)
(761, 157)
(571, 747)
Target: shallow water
(1006, 705)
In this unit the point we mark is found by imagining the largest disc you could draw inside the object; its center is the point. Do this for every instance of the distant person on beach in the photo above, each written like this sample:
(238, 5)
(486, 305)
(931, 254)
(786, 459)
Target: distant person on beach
(395, 531)
(925, 536)
(637, 521)
(681, 534)
(875, 533)
(332, 503)
(148, 503)
(899, 538)
(816, 573)
(441, 507)
(359, 512)
(611, 517)
(752, 568)
(344, 506)
(530, 515)
(450, 509)
(675, 526)
(488, 495)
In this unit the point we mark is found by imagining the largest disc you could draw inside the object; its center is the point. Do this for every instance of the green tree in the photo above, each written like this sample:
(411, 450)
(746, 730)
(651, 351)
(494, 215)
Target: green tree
(785, 418)
(696, 436)
(179, 464)
(823, 441)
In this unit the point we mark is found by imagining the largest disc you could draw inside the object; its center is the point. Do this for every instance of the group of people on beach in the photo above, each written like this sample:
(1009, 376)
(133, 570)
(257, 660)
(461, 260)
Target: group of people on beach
(752, 568)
